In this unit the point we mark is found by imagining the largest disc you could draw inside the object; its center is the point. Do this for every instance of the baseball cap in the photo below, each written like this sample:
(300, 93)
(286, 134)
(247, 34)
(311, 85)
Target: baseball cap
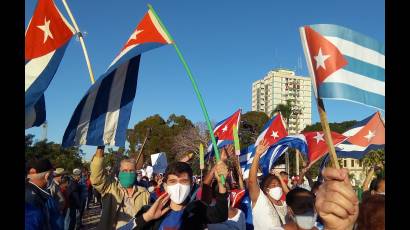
(40, 165)
(76, 172)
(59, 171)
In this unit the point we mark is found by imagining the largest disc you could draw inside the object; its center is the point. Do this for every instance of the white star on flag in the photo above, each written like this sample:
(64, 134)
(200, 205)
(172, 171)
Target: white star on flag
(274, 134)
(320, 59)
(134, 35)
(225, 128)
(46, 29)
(369, 136)
(319, 137)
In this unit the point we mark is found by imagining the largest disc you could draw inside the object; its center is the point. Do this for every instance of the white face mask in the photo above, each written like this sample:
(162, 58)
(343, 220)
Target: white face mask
(151, 189)
(306, 222)
(178, 192)
(275, 193)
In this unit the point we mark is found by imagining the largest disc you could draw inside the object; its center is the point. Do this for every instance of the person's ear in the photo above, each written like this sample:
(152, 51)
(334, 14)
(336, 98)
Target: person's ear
(32, 171)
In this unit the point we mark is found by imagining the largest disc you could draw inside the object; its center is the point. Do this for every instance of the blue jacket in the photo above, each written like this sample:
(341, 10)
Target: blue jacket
(41, 210)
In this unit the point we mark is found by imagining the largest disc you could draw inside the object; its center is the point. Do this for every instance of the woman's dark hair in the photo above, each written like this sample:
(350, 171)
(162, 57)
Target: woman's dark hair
(178, 168)
(267, 180)
(152, 183)
(372, 213)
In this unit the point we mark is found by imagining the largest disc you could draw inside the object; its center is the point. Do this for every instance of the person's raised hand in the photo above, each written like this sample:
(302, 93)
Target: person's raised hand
(336, 202)
(230, 150)
(262, 147)
(220, 169)
(156, 210)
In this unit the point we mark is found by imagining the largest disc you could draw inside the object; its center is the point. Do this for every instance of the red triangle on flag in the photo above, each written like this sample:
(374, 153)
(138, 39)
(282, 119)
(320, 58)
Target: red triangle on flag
(317, 146)
(371, 133)
(48, 30)
(325, 57)
(225, 130)
(148, 30)
(276, 130)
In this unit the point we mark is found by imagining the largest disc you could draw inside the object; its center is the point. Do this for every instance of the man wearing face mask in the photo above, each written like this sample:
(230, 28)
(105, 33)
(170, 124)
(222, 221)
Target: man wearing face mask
(121, 199)
(41, 210)
(180, 213)
(268, 210)
(301, 207)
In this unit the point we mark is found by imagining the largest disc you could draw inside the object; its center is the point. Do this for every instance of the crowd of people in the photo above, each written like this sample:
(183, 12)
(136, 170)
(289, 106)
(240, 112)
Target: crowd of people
(132, 198)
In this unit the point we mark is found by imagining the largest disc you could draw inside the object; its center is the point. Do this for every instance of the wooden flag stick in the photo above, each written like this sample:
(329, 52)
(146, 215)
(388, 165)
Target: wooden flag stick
(327, 133)
(80, 37)
(142, 147)
(198, 94)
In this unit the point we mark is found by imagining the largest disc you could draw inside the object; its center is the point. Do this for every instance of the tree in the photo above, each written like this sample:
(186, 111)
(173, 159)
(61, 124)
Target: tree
(373, 158)
(285, 110)
(339, 127)
(251, 124)
(67, 158)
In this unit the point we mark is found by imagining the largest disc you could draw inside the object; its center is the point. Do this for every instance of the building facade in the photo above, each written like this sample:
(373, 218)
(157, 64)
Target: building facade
(278, 86)
(355, 168)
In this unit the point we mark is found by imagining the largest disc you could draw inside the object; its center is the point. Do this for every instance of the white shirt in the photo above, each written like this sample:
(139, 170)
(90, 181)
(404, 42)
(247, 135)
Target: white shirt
(237, 222)
(149, 170)
(264, 215)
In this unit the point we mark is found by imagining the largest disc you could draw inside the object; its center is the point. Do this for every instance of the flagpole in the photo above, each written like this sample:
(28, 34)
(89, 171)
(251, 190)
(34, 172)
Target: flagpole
(80, 36)
(198, 94)
(327, 134)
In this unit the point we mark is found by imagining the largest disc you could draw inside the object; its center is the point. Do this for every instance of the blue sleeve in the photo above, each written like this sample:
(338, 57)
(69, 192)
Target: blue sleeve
(33, 218)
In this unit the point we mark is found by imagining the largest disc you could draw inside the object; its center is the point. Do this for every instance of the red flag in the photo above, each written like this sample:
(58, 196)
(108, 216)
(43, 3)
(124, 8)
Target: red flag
(370, 133)
(273, 131)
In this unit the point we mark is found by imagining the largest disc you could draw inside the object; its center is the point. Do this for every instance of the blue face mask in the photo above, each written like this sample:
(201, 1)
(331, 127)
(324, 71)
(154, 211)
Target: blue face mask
(127, 179)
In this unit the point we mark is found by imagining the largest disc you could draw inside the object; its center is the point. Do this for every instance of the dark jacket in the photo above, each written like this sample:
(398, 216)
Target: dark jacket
(41, 210)
(196, 215)
(74, 194)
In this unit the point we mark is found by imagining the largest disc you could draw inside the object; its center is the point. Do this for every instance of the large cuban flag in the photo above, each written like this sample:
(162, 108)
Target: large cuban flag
(102, 116)
(223, 132)
(46, 39)
(344, 64)
(364, 136)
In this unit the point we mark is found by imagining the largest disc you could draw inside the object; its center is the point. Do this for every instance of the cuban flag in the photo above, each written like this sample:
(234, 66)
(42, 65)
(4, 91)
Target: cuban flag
(344, 64)
(102, 116)
(36, 115)
(223, 132)
(364, 136)
(47, 36)
(317, 146)
(272, 132)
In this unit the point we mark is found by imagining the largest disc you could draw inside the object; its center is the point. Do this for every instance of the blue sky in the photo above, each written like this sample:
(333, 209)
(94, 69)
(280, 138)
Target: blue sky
(227, 44)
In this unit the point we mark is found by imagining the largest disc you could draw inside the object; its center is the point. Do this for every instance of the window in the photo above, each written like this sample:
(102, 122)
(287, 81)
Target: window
(345, 163)
(352, 162)
(360, 163)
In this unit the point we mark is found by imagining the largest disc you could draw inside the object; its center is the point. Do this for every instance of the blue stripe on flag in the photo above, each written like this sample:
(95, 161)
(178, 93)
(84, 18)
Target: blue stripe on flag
(357, 154)
(71, 130)
(365, 69)
(39, 86)
(97, 121)
(342, 91)
(130, 88)
(349, 35)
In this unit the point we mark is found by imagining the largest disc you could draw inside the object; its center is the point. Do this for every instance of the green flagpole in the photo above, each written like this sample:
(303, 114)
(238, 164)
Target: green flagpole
(198, 94)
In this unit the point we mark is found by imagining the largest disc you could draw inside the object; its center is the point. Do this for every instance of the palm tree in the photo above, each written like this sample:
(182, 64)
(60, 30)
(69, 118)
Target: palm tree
(286, 111)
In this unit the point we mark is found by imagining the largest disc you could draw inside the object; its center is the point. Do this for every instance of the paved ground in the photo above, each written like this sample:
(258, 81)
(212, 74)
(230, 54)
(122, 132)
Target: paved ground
(91, 217)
